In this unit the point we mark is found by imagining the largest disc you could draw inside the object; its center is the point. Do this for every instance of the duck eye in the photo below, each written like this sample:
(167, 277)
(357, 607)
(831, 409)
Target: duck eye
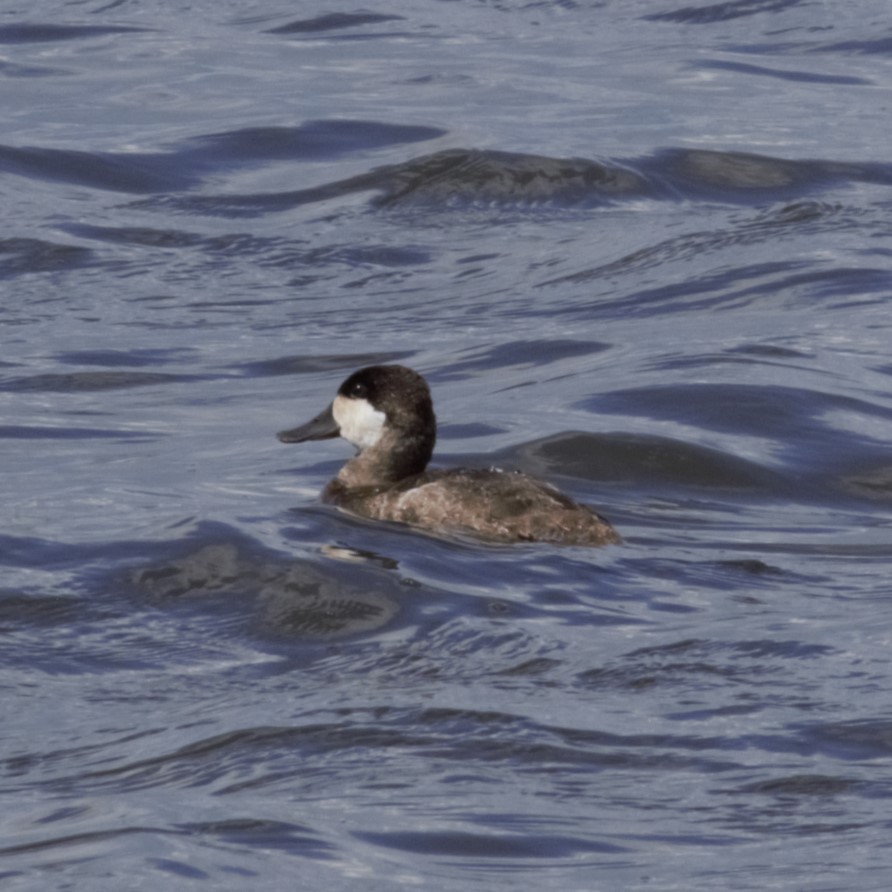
(359, 391)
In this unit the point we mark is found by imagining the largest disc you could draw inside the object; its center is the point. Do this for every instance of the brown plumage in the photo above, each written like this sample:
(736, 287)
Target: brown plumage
(386, 412)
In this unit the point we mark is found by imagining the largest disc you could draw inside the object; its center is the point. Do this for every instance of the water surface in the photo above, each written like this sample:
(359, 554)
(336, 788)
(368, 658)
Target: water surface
(641, 250)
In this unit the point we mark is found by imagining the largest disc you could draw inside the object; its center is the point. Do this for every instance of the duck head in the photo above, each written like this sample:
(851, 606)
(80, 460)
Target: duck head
(386, 412)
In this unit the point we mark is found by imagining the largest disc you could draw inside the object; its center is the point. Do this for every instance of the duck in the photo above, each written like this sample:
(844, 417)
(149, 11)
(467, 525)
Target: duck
(386, 412)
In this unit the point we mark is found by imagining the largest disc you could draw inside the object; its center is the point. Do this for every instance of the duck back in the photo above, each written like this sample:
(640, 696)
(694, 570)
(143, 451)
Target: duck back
(499, 506)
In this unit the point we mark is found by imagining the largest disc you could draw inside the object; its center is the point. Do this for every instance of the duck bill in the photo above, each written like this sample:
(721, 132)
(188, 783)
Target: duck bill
(322, 427)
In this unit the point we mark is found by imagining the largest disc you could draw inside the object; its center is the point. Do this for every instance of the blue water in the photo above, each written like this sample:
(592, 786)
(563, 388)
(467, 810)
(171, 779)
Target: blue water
(641, 250)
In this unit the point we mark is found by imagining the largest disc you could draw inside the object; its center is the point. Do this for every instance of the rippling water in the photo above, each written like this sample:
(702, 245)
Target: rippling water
(641, 250)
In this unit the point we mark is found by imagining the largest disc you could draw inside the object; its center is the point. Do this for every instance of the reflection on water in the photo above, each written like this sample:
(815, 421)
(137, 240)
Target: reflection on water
(295, 597)
(478, 178)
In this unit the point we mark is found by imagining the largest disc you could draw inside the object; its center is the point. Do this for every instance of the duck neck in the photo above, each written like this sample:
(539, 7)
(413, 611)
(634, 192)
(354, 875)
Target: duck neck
(394, 457)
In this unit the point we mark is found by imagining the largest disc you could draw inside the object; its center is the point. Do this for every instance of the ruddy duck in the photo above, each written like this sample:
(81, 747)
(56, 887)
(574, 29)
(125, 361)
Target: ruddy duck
(386, 412)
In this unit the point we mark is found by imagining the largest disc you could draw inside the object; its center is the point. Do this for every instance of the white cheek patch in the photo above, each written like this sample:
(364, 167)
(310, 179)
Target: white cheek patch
(360, 423)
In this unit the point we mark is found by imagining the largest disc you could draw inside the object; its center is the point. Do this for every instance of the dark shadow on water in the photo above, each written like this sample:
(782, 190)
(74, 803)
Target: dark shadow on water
(287, 595)
(449, 178)
(28, 255)
(641, 460)
(463, 178)
(216, 571)
(709, 13)
(47, 33)
(309, 365)
(334, 21)
(526, 353)
(186, 166)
